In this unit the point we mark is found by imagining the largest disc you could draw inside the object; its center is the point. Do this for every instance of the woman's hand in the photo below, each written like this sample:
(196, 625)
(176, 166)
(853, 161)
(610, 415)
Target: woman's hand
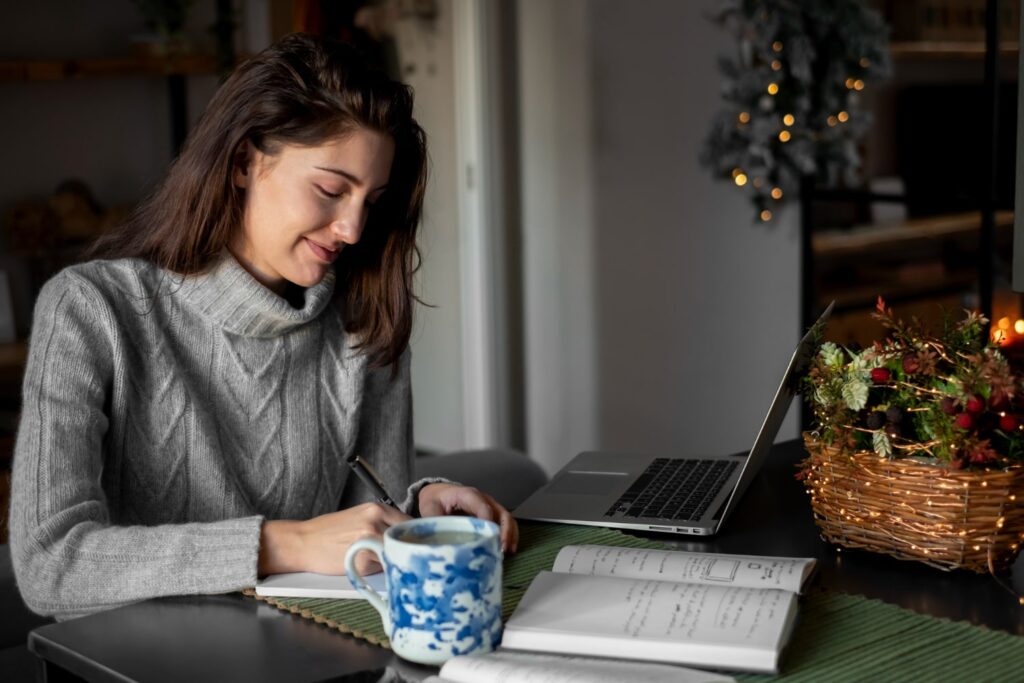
(319, 544)
(451, 499)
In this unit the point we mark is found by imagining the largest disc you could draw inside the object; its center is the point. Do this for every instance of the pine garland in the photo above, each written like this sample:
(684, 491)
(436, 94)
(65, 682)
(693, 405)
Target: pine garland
(791, 95)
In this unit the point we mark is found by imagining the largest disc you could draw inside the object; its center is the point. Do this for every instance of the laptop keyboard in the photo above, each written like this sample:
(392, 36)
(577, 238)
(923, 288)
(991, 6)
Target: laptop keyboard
(674, 489)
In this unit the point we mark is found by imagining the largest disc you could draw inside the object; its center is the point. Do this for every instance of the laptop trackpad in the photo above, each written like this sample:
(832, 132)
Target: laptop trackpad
(587, 484)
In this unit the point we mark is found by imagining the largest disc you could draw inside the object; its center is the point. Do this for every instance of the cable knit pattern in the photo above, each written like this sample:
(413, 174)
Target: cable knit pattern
(166, 417)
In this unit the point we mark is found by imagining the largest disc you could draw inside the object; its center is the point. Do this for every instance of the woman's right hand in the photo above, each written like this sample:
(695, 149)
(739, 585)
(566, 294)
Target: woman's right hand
(319, 544)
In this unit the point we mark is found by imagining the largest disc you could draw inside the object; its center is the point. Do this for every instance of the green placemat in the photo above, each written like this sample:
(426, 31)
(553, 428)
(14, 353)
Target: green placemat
(838, 637)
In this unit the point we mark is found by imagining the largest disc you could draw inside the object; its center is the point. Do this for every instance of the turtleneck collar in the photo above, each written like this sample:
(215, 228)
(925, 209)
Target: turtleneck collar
(236, 301)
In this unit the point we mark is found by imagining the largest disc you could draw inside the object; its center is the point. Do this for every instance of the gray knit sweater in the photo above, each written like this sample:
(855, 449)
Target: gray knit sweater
(165, 418)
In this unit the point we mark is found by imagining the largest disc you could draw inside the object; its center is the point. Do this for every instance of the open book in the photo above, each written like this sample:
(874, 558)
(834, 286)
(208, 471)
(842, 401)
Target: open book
(520, 667)
(708, 610)
(310, 585)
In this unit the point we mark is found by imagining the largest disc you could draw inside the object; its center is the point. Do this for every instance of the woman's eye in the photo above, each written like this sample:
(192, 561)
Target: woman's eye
(330, 195)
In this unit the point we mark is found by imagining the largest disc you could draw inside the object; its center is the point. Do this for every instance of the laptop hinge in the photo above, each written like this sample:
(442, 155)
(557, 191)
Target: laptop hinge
(721, 508)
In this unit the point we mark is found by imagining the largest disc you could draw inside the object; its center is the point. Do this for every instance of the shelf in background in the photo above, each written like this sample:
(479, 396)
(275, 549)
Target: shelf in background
(863, 297)
(972, 49)
(855, 241)
(30, 70)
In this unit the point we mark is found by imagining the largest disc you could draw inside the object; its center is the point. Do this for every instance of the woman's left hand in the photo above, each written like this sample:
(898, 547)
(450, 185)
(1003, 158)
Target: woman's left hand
(452, 499)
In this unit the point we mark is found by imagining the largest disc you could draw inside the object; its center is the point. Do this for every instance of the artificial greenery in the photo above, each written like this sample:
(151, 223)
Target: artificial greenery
(953, 397)
(791, 95)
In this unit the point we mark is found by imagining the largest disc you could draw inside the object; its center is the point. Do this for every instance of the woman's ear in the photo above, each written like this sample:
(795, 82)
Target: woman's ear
(243, 162)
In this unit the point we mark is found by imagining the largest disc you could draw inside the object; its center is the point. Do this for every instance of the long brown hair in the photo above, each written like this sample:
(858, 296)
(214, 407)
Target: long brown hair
(302, 90)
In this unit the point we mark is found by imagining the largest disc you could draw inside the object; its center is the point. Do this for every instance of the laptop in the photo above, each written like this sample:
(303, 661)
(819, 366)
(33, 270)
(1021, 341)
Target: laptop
(673, 494)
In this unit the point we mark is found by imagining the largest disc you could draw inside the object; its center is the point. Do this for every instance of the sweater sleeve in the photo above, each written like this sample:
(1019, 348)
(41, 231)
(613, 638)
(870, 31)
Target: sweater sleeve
(69, 559)
(385, 436)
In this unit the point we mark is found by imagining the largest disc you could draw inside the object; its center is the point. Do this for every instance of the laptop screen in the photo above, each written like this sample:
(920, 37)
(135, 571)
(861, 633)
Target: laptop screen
(777, 412)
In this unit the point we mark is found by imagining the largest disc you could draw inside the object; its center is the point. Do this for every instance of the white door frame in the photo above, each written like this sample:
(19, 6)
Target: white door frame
(479, 224)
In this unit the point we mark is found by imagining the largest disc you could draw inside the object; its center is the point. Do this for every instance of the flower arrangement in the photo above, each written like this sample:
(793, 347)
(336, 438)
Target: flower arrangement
(950, 400)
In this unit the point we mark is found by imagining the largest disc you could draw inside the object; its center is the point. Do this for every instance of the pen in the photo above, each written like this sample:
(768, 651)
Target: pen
(370, 478)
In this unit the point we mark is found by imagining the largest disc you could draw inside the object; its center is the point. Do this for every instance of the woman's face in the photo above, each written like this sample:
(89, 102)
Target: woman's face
(303, 205)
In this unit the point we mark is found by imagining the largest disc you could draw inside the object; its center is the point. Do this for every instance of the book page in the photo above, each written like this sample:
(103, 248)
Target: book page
(704, 625)
(518, 667)
(749, 571)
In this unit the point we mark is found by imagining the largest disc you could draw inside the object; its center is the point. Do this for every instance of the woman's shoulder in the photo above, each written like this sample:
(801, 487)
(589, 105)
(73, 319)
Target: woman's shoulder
(107, 278)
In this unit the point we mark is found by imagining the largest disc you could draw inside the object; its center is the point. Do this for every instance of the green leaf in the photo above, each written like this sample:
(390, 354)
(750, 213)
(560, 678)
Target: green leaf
(831, 354)
(855, 393)
(882, 445)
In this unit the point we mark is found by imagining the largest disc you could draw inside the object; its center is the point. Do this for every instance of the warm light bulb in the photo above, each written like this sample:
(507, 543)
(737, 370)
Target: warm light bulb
(766, 215)
(776, 193)
(784, 136)
(777, 46)
(776, 65)
(744, 117)
(843, 116)
(741, 179)
(832, 121)
(788, 119)
(773, 88)
(865, 62)
(1018, 327)
(849, 83)
(736, 172)
(1004, 323)
(858, 84)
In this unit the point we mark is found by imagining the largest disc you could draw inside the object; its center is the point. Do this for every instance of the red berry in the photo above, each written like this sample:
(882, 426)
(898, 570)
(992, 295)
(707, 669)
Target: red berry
(1008, 422)
(975, 404)
(964, 421)
(880, 375)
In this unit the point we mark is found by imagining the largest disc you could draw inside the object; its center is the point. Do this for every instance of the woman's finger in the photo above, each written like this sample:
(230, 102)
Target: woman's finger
(391, 515)
(509, 528)
(475, 503)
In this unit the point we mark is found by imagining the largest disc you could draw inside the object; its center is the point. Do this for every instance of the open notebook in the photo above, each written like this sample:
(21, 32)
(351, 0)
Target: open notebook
(310, 585)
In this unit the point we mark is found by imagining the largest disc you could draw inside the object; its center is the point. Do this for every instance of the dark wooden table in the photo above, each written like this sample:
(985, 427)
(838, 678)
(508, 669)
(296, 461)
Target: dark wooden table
(229, 637)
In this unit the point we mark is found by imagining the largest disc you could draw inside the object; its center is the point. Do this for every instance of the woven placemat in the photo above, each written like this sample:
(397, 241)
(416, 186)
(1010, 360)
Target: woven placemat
(838, 637)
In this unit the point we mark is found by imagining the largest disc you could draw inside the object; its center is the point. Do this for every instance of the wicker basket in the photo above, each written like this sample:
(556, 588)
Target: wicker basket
(950, 519)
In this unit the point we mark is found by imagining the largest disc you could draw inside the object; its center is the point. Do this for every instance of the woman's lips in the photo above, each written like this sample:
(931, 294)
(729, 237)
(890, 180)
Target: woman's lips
(321, 252)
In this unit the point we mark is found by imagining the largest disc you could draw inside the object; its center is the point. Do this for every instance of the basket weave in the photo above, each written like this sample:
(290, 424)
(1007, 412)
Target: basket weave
(950, 519)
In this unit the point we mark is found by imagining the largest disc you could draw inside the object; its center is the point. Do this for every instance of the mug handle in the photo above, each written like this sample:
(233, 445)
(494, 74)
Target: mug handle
(358, 582)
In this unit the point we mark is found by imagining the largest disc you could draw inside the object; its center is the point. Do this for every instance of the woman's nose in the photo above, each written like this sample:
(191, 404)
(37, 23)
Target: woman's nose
(348, 224)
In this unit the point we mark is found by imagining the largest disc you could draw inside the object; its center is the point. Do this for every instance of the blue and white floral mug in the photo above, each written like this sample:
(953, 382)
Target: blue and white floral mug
(443, 577)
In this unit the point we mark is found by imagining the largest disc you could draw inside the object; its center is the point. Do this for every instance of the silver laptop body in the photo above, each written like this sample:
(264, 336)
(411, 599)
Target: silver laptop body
(673, 494)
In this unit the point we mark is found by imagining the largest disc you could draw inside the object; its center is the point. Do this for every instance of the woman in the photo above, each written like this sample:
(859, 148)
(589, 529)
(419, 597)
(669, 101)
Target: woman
(190, 399)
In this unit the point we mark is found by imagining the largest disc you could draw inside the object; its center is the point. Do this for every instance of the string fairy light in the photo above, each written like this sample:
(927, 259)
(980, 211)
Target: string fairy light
(766, 79)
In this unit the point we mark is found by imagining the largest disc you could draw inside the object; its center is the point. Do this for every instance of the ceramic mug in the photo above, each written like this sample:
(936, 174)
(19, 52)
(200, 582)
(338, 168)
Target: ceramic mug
(443, 577)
